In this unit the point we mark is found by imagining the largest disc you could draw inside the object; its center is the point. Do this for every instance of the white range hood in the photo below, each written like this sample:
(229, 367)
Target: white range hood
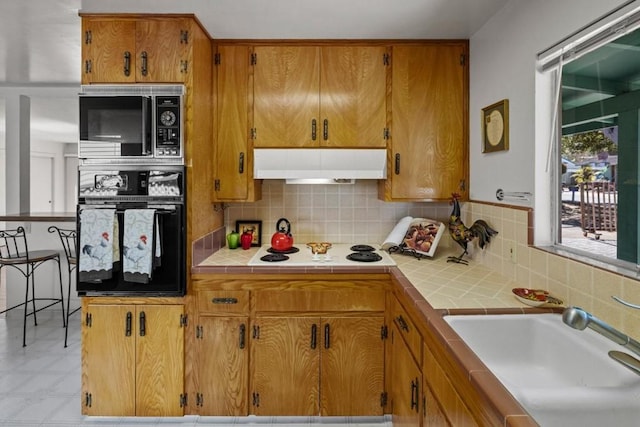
(309, 165)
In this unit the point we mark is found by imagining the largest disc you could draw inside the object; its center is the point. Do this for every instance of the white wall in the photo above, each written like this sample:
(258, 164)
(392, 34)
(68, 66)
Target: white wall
(502, 65)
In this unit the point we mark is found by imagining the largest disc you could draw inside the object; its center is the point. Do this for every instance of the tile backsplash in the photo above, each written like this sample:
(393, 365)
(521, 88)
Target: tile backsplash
(576, 283)
(339, 213)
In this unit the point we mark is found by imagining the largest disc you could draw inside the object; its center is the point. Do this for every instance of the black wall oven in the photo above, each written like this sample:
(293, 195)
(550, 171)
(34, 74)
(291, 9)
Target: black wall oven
(131, 230)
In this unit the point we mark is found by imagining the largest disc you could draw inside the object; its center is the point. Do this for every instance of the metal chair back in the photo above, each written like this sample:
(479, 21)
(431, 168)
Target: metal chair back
(13, 246)
(69, 240)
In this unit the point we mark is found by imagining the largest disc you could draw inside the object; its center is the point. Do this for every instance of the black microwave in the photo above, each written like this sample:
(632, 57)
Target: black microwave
(135, 122)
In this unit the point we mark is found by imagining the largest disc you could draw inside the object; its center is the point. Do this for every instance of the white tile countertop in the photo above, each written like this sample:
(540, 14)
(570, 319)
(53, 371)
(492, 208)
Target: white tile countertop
(441, 283)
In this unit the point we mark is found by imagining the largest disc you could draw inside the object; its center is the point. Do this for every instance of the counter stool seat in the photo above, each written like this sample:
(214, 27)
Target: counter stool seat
(14, 253)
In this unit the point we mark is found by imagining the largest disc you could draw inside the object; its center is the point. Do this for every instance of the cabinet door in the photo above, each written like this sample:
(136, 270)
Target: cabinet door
(108, 361)
(353, 93)
(223, 364)
(286, 96)
(232, 172)
(351, 366)
(433, 414)
(285, 366)
(159, 360)
(162, 50)
(406, 382)
(429, 108)
(108, 51)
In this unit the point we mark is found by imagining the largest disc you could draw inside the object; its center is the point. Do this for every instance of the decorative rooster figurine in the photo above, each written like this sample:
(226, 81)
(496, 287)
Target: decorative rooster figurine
(462, 234)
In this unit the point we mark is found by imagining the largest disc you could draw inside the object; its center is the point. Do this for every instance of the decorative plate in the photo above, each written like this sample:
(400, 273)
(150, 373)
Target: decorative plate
(535, 297)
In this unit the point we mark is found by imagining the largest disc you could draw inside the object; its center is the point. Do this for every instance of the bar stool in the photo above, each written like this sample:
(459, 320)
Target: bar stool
(14, 252)
(68, 238)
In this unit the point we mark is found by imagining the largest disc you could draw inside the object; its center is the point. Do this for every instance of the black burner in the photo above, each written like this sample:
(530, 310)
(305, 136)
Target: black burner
(364, 256)
(362, 248)
(291, 250)
(274, 257)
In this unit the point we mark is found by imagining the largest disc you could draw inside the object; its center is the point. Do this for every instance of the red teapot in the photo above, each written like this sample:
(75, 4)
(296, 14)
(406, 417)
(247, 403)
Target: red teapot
(282, 240)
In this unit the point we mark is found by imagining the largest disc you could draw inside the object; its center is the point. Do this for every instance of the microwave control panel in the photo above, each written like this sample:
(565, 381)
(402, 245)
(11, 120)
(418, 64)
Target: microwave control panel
(168, 127)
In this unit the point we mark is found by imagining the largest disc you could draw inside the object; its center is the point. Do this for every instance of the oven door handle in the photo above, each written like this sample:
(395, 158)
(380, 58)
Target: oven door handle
(160, 209)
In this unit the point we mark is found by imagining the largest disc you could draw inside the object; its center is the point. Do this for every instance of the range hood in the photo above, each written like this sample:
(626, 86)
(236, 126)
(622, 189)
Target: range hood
(310, 165)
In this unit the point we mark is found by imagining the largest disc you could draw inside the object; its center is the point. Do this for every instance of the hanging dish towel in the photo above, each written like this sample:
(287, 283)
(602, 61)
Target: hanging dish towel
(98, 237)
(137, 253)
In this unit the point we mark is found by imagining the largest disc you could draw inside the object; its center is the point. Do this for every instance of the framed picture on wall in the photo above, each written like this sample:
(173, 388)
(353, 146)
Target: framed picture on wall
(495, 127)
(253, 226)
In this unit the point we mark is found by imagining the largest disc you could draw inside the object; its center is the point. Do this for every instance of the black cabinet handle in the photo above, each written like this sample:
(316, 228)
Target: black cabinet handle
(241, 165)
(326, 129)
(327, 335)
(127, 63)
(143, 324)
(242, 334)
(313, 130)
(397, 168)
(143, 67)
(127, 326)
(414, 395)
(314, 336)
(87, 66)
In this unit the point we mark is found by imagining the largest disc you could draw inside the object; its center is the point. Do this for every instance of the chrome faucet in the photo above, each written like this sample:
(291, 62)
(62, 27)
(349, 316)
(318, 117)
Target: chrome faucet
(579, 319)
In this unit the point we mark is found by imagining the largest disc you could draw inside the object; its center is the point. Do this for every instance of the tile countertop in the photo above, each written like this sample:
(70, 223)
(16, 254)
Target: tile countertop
(443, 284)
(473, 288)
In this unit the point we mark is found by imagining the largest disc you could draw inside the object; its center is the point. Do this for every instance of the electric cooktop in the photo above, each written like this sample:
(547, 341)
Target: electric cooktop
(338, 255)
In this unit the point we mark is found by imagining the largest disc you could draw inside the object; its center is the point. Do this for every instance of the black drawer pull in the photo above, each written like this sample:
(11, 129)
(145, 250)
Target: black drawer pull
(227, 300)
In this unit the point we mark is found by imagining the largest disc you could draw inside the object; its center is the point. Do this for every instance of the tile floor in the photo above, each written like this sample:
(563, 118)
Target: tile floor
(40, 384)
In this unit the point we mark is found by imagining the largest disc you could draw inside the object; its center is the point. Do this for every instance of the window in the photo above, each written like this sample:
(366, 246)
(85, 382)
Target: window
(597, 148)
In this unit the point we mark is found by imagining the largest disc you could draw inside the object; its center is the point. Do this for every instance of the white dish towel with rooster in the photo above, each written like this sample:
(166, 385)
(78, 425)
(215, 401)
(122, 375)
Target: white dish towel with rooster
(99, 244)
(139, 246)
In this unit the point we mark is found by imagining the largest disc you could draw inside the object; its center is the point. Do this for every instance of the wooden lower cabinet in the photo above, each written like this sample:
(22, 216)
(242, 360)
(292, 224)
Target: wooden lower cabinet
(223, 365)
(405, 383)
(285, 366)
(433, 416)
(291, 345)
(448, 400)
(317, 365)
(132, 360)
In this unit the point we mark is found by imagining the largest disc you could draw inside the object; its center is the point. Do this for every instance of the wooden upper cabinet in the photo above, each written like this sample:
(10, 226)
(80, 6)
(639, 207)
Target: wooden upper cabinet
(353, 87)
(165, 45)
(286, 87)
(145, 50)
(311, 96)
(429, 135)
(233, 174)
(108, 51)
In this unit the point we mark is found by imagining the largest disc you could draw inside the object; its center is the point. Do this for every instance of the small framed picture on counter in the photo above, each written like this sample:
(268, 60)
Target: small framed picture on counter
(252, 226)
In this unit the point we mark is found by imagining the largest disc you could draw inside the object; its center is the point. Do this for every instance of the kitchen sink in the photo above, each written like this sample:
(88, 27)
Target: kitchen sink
(561, 376)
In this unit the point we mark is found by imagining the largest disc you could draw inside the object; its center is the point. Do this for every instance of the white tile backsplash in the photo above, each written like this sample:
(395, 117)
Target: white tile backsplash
(335, 213)
(576, 283)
